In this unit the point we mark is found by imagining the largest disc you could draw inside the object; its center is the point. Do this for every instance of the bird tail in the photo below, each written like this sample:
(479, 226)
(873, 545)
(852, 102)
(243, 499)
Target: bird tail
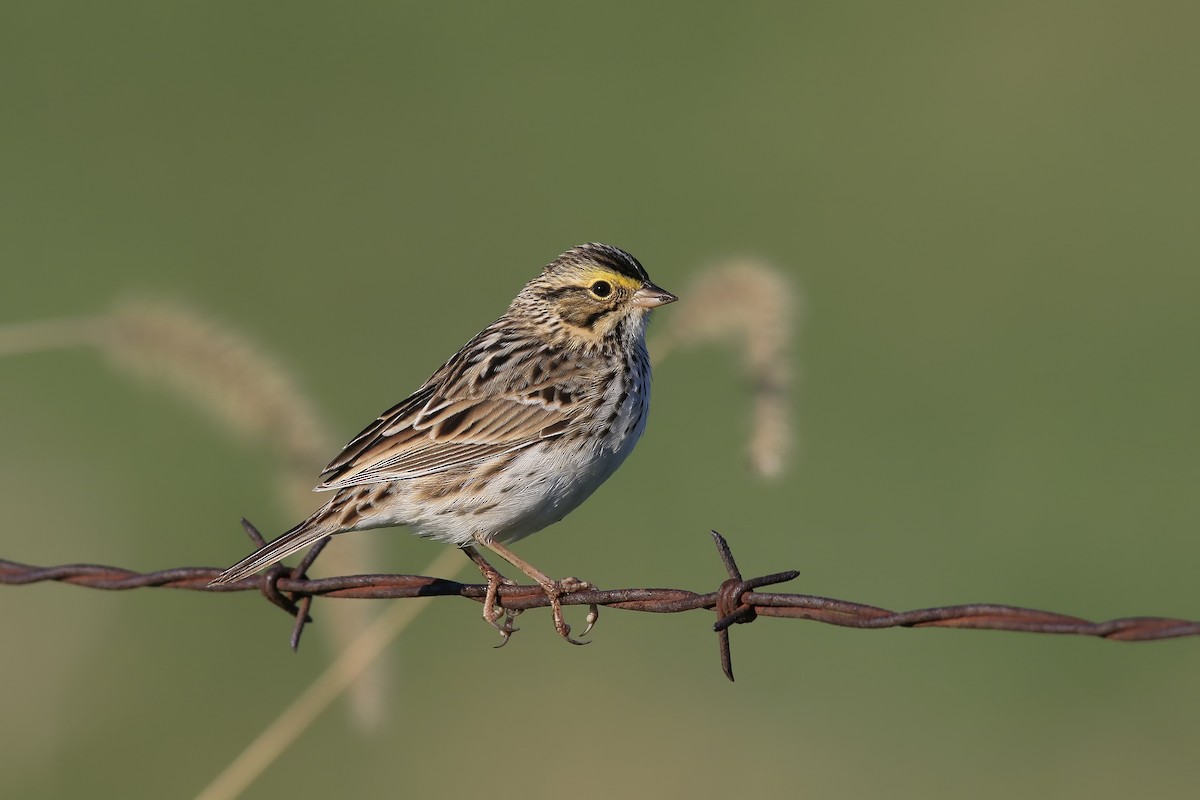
(299, 537)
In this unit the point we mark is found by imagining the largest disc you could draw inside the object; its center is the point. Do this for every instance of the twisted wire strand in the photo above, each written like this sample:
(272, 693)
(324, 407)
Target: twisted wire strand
(735, 600)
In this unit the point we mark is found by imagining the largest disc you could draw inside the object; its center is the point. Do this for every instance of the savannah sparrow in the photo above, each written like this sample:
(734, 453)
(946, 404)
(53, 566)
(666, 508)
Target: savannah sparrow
(511, 434)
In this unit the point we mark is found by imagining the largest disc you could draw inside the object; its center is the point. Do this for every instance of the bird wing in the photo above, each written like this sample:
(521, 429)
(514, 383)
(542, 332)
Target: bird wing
(454, 420)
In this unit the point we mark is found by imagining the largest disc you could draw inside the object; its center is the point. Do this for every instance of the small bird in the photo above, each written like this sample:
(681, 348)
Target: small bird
(511, 434)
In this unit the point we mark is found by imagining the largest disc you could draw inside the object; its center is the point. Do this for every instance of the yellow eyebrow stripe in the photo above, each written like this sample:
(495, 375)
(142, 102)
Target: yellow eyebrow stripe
(613, 277)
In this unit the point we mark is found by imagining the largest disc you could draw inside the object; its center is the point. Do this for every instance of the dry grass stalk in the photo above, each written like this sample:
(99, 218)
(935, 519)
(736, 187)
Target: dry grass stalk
(208, 365)
(221, 373)
(754, 307)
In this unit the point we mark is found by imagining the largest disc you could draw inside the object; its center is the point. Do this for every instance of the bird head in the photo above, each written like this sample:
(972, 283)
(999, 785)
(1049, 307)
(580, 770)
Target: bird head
(595, 293)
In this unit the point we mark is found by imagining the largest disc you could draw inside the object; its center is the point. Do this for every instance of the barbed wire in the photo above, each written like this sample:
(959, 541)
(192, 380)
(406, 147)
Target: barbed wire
(736, 600)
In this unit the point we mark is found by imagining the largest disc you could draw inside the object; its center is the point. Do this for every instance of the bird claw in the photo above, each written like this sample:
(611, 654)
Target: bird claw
(593, 615)
(560, 625)
(506, 628)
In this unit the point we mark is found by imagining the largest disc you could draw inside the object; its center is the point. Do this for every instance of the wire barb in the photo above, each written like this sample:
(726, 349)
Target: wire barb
(731, 610)
(736, 601)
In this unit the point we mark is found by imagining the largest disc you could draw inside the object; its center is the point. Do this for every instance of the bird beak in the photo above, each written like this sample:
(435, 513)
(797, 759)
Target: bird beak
(650, 296)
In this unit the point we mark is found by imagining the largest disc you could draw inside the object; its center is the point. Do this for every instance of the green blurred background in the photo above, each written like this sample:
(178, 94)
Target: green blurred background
(991, 211)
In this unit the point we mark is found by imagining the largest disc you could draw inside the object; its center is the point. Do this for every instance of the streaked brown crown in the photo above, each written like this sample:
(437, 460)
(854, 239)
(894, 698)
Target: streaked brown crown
(600, 255)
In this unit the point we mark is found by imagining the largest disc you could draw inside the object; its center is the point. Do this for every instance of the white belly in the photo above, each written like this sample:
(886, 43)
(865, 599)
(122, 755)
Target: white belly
(542, 485)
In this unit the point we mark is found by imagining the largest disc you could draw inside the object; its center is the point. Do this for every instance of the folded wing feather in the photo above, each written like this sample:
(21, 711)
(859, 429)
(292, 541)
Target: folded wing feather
(427, 434)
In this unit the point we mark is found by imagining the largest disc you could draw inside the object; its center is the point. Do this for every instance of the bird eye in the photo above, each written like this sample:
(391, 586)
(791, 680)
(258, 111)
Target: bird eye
(601, 288)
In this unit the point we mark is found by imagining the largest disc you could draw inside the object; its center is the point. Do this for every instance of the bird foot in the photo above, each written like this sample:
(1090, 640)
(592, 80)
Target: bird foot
(492, 610)
(554, 590)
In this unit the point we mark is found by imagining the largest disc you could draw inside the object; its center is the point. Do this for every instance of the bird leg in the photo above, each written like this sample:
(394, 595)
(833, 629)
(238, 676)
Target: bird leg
(492, 610)
(553, 589)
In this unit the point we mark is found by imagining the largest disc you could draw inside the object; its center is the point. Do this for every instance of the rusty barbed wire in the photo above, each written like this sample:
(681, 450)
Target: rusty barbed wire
(735, 601)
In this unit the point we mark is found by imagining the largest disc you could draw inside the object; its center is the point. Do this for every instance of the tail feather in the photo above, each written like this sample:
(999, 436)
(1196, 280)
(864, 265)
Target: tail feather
(299, 537)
